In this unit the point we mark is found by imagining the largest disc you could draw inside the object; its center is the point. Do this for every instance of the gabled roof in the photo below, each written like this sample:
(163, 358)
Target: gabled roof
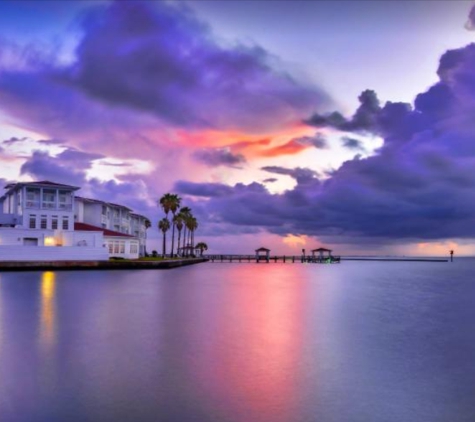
(321, 250)
(83, 227)
(40, 183)
(263, 249)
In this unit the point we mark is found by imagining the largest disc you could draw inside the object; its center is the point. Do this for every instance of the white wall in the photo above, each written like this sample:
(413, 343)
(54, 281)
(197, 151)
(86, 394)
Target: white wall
(45, 253)
(122, 247)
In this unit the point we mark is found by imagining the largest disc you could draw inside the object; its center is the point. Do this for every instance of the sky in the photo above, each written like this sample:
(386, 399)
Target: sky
(284, 124)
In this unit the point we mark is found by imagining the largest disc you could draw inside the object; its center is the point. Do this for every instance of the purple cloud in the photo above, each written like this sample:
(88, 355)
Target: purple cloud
(296, 145)
(159, 58)
(420, 185)
(219, 157)
(13, 140)
(365, 118)
(301, 175)
(352, 144)
(203, 189)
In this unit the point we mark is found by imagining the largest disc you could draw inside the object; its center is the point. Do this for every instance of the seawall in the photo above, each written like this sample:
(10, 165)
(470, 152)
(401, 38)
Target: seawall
(96, 265)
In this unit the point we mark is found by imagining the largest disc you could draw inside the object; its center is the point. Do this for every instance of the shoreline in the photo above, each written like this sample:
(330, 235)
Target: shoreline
(97, 265)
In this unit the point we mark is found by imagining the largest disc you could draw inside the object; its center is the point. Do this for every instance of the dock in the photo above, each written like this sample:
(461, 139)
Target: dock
(274, 259)
(311, 259)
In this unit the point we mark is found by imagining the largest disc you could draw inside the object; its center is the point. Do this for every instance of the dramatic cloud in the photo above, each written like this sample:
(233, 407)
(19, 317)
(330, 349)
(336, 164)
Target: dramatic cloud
(365, 118)
(13, 141)
(297, 145)
(352, 144)
(159, 58)
(203, 189)
(50, 142)
(470, 25)
(219, 157)
(68, 167)
(301, 175)
(419, 185)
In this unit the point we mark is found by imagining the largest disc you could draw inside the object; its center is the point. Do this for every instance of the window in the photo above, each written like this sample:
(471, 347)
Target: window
(134, 248)
(43, 222)
(32, 198)
(49, 199)
(54, 222)
(122, 247)
(65, 223)
(49, 195)
(32, 194)
(32, 221)
(116, 247)
(104, 210)
(65, 200)
(111, 247)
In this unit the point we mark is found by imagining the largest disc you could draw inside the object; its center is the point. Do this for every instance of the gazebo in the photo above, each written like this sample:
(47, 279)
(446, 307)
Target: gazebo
(188, 250)
(262, 254)
(321, 253)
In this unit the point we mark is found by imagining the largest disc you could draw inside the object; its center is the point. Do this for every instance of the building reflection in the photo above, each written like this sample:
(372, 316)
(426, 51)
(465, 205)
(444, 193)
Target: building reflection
(47, 336)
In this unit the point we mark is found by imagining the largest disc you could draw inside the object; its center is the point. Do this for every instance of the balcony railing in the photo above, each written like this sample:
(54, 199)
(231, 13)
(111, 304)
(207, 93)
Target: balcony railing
(47, 206)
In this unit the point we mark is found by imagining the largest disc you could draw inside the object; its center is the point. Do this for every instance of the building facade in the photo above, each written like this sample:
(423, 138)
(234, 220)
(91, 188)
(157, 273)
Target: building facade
(61, 226)
(112, 217)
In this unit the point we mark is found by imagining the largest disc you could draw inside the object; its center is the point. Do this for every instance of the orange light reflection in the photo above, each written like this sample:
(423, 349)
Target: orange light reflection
(48, 311)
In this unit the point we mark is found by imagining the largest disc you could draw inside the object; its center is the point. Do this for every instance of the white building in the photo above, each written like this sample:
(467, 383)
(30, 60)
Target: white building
(112, 217)
(53, 224)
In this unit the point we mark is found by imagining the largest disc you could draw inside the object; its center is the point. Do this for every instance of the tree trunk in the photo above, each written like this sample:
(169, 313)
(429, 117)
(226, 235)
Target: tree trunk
(173, 236)
(164, 246)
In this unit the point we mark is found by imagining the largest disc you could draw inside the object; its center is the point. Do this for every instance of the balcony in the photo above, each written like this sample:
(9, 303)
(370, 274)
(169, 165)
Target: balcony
(32, 204)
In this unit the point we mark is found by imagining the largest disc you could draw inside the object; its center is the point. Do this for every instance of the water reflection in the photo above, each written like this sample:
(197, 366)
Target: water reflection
(250, 361)
(47, 334)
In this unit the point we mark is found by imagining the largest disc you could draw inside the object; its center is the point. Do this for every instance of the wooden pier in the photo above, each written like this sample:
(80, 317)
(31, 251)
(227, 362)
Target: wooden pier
(274, 259)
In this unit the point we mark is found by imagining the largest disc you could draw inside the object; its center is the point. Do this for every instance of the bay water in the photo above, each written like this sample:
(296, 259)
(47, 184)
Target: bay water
(241, 342)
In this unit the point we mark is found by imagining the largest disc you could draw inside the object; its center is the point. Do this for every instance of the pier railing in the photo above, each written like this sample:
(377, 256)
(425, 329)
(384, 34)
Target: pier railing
(273, 258)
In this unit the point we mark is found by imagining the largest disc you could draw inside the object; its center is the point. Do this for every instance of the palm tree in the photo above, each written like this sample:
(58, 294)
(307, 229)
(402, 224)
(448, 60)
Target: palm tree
(164, 226)
(175, 202)
(165, 202)
(191, 224)
(178, 222)
(186, 215)
(170, 202)
(202, 246)
(147, 225)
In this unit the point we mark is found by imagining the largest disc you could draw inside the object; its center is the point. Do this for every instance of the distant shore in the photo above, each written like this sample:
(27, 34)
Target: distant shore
(403, 259)
(97, 265)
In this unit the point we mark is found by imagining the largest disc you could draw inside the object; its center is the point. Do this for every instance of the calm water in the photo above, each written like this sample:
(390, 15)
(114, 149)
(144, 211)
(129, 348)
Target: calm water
(360, 341)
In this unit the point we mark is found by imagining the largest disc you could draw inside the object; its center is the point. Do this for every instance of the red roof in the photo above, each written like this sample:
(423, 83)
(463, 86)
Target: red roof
(83, 227)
